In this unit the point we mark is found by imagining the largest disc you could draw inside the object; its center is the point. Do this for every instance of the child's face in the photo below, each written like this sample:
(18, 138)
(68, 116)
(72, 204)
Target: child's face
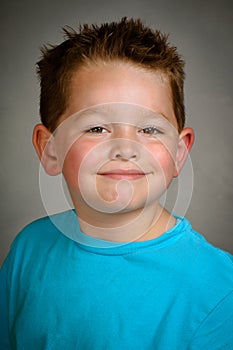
(118, 154)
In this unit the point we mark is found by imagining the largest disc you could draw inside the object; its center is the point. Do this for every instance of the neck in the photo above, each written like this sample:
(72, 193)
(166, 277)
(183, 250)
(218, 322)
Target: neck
(138, 225)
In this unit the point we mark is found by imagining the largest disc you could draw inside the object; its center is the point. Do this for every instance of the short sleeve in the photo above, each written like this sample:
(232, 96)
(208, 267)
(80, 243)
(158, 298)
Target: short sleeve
(216, 331)
(4, 316)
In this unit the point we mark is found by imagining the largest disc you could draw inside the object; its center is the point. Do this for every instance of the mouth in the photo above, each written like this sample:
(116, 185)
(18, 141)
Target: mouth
(120, 174)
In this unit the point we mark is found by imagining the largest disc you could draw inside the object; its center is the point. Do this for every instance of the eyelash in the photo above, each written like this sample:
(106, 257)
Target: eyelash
(100, 130)
(152, 130)
(96, 130)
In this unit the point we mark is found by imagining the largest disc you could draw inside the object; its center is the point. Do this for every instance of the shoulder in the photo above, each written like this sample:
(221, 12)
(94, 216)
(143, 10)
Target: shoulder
(199, 251)
(209, 254)
(208, 268)
(42, 228)
(48, 227)
(199, 263)
(38, 238)
(214, 264)
(206, 272)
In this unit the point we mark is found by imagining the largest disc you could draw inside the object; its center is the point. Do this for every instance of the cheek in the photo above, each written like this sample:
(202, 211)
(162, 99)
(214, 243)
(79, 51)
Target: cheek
(164, 159)
(73, 161)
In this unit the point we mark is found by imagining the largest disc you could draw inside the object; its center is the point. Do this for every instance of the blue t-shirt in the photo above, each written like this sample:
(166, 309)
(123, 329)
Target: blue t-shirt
(170, 293)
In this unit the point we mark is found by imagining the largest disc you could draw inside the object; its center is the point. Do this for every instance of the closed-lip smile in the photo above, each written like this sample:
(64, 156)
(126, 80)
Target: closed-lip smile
(123, 174)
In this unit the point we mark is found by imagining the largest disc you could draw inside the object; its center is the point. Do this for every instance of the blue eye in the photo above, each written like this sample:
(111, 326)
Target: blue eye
(97, 130)
(150, 131)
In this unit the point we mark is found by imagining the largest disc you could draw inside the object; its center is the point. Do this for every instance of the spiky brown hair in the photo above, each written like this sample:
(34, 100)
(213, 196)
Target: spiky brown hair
(128, 40)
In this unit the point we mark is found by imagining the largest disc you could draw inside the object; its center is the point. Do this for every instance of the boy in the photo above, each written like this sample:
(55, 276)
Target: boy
(126, 274)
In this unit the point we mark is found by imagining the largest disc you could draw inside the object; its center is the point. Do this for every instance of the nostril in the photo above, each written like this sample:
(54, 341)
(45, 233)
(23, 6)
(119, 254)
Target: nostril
(119, 156)
(124, 149)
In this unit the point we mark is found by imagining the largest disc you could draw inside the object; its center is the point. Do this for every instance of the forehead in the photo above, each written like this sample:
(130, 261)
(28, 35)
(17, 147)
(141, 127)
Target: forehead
(116, 82)
(119, 113)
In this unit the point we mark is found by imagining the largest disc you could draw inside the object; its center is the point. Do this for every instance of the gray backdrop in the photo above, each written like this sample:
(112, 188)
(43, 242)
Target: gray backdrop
(203, 32)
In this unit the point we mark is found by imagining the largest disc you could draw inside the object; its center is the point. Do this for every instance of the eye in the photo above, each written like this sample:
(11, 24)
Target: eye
(97, 130)
(151, 130)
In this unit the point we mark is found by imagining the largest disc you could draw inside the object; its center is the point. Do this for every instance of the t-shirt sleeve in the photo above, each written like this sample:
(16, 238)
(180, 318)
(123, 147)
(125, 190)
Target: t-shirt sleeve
(216, 331)
(4, 314)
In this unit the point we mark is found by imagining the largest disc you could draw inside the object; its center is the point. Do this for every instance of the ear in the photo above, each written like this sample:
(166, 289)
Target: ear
(44, 144)
(186, 140)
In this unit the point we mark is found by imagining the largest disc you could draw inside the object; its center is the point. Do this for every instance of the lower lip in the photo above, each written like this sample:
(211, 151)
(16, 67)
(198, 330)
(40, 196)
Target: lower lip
(123, 176)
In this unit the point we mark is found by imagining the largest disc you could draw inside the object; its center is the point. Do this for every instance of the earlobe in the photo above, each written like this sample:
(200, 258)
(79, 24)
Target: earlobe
(186, 140)
(44, 145)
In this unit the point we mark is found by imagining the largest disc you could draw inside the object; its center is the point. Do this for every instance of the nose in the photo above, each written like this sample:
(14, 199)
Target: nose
(124, 149)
